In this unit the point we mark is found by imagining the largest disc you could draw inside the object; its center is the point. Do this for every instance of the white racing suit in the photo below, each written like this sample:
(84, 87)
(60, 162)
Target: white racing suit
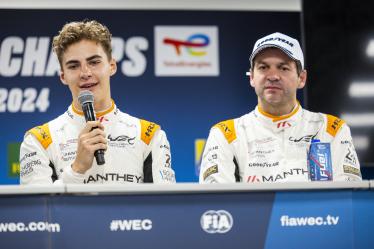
(138, 151)
(258, 147)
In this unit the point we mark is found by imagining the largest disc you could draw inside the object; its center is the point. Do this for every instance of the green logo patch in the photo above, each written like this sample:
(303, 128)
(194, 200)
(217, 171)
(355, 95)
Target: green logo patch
(13, 159)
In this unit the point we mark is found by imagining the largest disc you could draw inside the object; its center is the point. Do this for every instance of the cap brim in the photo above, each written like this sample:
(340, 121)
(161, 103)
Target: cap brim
(259, 49)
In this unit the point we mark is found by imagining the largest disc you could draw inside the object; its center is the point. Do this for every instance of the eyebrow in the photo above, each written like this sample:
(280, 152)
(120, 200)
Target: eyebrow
(87, 59)
(96, 56)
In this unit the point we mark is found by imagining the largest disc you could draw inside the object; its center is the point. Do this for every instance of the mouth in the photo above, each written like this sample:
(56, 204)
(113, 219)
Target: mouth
(87, 86)
(273, 88)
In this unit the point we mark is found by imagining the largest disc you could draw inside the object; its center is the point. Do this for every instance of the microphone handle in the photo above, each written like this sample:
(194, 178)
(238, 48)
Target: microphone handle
(89, 115)
(99, 156)
(89, 112)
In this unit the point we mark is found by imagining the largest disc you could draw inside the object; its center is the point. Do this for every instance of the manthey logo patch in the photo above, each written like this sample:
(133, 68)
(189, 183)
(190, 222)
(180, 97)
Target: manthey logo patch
(186, 51)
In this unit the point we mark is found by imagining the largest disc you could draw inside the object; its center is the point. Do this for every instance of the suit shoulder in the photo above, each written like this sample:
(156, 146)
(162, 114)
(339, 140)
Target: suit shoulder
(333, 124)
(42, 134)
(227, 128)
(147, 130)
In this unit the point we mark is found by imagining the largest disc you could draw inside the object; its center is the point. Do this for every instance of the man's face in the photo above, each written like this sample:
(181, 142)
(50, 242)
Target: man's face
(85, 66)
(275, 78)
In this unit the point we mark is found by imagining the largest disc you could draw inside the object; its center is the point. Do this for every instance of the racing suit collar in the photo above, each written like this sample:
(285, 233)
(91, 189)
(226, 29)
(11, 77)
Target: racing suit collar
(279, 123)
(278, 118)
(98, 114)
(77, 116)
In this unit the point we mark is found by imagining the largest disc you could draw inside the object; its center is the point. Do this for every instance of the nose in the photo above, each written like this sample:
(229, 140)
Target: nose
(273, 74)
(85, 71)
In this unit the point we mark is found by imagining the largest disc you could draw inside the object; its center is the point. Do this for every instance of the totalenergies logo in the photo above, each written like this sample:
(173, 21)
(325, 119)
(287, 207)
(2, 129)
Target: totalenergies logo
(186, 51)
(193, 41)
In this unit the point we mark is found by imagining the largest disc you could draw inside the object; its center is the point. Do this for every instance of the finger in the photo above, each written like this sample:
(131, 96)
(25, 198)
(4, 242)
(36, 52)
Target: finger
(96, 124)
(94, 140)
(100, 146)
(100, 126)
(91, 125)
(97, 132)
(92, 134)
(96, 146)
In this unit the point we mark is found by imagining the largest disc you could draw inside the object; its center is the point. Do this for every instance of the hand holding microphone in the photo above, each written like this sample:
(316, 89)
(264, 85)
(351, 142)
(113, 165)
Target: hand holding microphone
(91, 140)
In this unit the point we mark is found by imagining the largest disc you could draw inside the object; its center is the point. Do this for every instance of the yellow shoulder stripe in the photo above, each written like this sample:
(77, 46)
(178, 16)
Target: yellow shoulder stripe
(228, 129)
(148, 130)
(43, 135)
(333, 125)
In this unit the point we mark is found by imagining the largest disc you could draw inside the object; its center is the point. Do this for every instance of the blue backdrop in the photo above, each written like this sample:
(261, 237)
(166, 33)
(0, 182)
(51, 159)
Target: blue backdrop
(185, 106)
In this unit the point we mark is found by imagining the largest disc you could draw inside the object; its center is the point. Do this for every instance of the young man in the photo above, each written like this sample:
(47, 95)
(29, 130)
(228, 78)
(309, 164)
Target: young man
(62, 150)
(270, 143)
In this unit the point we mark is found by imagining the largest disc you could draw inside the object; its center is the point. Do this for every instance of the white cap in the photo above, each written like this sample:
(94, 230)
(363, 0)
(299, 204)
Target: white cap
(288, 45)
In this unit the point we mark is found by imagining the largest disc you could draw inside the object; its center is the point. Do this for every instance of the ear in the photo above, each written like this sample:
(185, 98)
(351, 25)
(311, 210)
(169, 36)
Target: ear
(113, 67)
(251, 78)
(302, 79)
(62, 77)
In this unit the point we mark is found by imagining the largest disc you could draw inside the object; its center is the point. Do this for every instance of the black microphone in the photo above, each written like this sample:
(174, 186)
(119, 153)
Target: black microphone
(86, 99)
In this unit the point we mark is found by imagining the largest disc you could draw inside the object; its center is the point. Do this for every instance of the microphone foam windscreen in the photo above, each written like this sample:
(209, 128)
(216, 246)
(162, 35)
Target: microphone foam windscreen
(85, 96)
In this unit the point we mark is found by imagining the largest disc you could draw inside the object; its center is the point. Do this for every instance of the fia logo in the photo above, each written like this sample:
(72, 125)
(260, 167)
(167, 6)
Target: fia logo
(219, 221)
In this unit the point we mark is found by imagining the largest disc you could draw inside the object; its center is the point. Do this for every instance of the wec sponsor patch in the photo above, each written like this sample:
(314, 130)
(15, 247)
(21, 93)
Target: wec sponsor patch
(211, 170)
(351, 170)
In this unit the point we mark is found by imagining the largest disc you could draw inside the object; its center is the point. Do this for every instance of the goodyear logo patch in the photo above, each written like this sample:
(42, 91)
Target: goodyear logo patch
(211, 170)
(351, 170)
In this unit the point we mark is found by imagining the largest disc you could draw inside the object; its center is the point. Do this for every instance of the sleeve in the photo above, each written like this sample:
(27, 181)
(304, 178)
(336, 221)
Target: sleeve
(36, 166)
(70, 176)
(218, 161)
(346, 166)
(34, 162)
(162, 171)
(157, 164)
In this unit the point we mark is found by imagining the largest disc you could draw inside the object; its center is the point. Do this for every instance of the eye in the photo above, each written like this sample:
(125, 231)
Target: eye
(285, 68)
(94, 62)
(72, 66)
(261, 67)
